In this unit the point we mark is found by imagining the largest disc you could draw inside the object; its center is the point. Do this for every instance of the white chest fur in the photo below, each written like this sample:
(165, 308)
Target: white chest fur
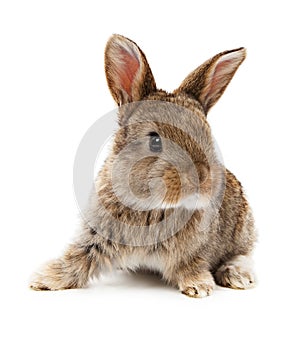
(151, 262)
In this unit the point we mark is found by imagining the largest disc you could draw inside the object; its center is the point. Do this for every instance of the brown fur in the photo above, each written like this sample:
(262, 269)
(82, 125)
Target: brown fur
(193, 258)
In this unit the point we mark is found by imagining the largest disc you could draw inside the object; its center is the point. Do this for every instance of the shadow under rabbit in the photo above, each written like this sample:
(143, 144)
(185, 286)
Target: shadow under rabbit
(142, 279)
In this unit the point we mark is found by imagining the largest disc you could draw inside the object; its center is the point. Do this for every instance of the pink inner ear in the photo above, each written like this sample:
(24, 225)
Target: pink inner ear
(220, 71)
(127, 70)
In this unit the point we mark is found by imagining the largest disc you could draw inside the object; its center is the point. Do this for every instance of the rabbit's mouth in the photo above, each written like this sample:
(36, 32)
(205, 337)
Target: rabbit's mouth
(194, 201)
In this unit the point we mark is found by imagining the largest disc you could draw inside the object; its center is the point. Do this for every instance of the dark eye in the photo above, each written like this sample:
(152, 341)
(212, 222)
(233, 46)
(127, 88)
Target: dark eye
(155, 143)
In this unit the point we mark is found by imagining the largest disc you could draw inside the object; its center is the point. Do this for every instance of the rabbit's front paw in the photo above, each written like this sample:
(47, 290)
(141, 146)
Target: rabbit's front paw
(199, 288)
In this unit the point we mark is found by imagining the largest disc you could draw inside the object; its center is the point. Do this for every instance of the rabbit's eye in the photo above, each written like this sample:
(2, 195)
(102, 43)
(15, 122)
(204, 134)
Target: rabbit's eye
(155, 143)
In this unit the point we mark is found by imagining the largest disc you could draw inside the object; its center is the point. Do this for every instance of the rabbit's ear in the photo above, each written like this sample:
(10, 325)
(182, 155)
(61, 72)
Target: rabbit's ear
(208, 82)
(128, 74)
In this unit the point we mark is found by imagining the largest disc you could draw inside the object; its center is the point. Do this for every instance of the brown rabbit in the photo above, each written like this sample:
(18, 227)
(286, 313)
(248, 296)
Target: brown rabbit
(163, 200)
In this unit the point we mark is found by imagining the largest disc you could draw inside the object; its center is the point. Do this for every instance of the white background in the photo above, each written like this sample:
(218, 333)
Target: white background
(53, 87)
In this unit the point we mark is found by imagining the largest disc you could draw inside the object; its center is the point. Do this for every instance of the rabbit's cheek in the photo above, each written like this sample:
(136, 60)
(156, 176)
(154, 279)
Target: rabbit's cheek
(138, 177)
(173, 186)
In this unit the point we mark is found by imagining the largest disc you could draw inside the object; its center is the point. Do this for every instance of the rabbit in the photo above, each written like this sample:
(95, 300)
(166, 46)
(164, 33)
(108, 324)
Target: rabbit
(163, 200)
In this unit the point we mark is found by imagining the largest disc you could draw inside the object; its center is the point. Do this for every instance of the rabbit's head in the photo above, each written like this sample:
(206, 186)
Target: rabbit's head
(164, 155)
